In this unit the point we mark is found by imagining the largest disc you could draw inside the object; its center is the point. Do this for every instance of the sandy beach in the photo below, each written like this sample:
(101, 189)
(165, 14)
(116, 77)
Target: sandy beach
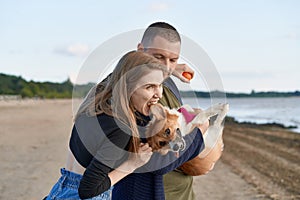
(259, 162)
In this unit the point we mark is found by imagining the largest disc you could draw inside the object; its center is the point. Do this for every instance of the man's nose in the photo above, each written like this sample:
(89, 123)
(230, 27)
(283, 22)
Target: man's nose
(166, 62)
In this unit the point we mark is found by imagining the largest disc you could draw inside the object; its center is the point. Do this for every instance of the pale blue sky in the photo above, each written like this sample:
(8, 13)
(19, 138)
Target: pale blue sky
(255, 44)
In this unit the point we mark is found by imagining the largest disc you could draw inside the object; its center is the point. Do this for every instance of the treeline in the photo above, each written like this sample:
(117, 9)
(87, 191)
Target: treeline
(16, 85)
(217, 94)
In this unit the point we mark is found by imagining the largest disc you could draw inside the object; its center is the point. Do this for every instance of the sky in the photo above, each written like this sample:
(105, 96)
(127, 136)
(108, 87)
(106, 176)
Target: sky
(254, 44)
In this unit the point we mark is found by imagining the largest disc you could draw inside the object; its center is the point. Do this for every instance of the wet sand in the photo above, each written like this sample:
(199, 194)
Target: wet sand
(257, 163)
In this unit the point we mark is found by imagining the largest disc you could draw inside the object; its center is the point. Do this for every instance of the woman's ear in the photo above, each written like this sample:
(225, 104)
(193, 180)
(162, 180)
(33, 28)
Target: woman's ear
(158, 111)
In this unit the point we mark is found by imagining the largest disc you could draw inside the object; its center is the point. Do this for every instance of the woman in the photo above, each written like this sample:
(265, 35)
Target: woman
(105, 142)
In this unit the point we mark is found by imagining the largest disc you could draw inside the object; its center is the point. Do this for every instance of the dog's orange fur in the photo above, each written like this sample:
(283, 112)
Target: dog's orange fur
(169, 121)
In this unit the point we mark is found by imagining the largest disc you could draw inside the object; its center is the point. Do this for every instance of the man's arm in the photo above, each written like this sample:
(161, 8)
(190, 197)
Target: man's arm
(200, 166)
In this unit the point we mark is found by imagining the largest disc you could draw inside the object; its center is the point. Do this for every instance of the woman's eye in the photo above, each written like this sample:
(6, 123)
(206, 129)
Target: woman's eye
(149, 87)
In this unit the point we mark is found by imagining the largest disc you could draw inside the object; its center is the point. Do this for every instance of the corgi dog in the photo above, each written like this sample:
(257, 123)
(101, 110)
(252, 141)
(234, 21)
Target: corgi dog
(167, 127)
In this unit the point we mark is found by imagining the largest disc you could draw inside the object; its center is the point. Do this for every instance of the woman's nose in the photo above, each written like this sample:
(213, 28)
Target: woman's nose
(158, 92)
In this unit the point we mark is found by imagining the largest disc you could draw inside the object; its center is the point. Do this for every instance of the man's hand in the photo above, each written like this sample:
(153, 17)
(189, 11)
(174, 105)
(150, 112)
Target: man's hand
(179, 69)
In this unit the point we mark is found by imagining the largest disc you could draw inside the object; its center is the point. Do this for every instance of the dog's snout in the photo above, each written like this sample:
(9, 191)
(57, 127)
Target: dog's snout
(176, 147)
(182, 146)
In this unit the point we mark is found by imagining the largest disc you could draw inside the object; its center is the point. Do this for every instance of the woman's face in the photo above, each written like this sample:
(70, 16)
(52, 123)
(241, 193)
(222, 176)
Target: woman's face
(148, 92)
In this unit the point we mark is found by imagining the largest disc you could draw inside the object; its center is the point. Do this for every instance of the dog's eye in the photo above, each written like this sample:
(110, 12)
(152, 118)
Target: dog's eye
(162, 143)
(167, 131)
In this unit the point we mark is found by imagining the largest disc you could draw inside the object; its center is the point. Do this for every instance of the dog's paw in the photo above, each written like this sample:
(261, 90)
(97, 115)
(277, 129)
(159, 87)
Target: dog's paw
(218, 107)
(223, 109)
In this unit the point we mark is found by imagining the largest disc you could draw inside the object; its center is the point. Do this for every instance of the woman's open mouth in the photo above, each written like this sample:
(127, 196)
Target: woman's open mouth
(150, 103)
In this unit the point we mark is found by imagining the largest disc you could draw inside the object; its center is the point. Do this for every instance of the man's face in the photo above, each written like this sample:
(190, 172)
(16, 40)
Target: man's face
(166, 52)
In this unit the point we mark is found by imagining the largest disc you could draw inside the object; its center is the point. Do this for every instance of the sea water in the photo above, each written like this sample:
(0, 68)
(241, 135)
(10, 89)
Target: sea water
(285, 110)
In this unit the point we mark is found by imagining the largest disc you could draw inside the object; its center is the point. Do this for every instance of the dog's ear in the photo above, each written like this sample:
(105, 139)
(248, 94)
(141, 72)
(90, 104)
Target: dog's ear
(158, 111)
(158, 120)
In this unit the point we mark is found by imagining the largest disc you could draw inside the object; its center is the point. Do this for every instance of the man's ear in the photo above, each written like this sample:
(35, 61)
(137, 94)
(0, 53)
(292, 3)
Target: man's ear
(140, 47)
(158, 111)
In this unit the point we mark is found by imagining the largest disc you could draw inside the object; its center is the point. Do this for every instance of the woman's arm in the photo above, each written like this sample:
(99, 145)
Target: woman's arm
(99, 177)
(95, 180)
(107, 144)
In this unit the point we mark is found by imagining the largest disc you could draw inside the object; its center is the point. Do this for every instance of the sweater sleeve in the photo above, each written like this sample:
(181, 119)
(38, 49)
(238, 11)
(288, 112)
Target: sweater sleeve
(110, 154)
(162, 164)
(95, 180)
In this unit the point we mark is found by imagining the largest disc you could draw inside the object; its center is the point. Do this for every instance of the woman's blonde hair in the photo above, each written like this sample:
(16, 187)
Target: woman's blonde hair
(112, 95)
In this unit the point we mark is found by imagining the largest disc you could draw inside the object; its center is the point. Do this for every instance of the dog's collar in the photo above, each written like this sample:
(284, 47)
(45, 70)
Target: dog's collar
(187, 116)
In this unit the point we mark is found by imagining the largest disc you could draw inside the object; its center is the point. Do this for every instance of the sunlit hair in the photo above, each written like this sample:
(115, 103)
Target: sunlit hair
(112, 95)
(161, 29)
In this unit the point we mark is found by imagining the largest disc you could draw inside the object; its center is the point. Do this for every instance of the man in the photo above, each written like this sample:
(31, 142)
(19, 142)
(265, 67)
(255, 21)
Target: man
(163, 42)
(147, 182)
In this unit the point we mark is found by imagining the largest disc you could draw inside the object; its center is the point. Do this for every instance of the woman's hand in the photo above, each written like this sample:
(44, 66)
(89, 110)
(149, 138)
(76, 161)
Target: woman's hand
(134, 161)
(140, 158)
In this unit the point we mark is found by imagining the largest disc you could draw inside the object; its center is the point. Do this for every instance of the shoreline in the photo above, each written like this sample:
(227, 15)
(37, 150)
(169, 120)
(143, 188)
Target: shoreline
(273, 124)
(228, 118)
